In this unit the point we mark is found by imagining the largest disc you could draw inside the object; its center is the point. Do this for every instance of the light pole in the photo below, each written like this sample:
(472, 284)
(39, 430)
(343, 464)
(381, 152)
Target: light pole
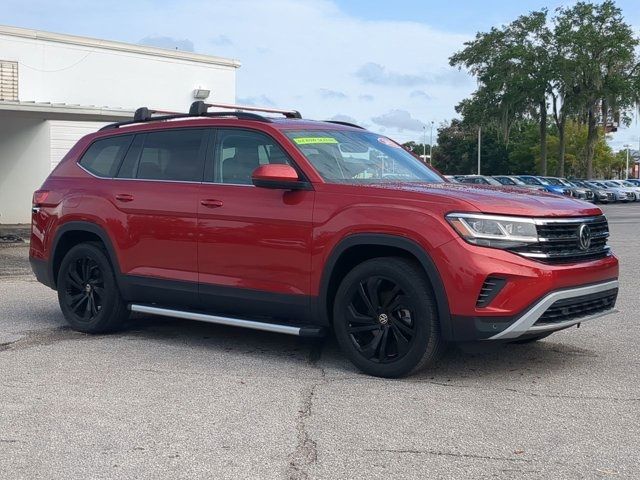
(431, 145)
(424, 143)
(479, 147)
(626, 172)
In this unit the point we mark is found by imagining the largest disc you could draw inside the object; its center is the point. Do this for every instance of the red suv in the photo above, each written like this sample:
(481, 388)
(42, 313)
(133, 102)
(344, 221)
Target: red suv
(299, 227)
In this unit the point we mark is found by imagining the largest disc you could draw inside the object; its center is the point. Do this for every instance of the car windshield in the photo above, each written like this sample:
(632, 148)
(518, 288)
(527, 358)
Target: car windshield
(345, 156)
(505, 180)
(627, 184)
(611, 184)
(533, 181)
(554, 181)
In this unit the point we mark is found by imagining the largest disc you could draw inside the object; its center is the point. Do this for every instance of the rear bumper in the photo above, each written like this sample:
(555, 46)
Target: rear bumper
(554, 311)
(40, 269)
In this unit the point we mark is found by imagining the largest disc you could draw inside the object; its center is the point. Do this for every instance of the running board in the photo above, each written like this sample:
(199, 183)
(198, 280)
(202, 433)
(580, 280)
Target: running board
(300, 331)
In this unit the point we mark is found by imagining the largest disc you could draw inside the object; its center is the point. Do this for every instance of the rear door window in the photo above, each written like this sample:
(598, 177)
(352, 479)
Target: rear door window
(103, 157)
(174, 155)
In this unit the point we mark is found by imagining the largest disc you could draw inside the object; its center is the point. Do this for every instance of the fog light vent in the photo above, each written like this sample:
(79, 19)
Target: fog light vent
(490, 288)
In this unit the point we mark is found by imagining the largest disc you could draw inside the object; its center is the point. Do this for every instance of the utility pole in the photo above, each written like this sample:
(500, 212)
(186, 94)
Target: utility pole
(626, 172)
(431, 145)
(424, 144)
(479, 147)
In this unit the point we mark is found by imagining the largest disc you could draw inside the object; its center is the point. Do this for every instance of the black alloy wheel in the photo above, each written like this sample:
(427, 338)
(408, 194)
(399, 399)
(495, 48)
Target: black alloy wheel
(87, 290)
(84, 289)
(385, 317)
(380, 320)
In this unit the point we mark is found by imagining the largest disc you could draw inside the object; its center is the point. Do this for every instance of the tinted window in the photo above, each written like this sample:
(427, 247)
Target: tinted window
(130, 163)
(240, 152)
(170, 155)
(103, 156)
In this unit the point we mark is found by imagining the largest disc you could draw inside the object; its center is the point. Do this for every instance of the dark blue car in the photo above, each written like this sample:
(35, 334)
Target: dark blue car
(540, 182)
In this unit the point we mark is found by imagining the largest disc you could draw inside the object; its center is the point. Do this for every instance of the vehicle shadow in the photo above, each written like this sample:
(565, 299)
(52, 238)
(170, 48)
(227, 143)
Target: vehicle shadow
(458, 363)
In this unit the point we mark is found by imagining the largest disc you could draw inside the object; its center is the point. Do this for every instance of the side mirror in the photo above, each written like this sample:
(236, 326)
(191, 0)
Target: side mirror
(280, 176)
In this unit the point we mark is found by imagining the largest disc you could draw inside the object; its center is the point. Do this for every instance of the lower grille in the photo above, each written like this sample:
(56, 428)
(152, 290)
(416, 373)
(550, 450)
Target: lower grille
(490, 288)
(572, 308)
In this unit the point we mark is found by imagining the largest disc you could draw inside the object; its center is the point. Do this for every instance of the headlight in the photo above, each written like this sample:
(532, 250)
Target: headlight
(494, 231)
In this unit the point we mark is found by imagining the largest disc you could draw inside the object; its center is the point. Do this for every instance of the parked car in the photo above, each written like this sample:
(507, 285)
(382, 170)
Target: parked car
(577, 191)
(630, 185)
(635, 181)
(479, 180)
(513, 181)
(260, 222)
(451, 178)
(632, 192)
(621, 194)
(600, 195)
(540, 182)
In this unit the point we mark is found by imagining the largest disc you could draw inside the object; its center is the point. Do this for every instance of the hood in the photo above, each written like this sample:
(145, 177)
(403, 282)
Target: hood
(502, 200)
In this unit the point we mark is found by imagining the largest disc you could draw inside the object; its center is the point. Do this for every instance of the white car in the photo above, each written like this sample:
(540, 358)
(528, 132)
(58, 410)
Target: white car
(627, 184)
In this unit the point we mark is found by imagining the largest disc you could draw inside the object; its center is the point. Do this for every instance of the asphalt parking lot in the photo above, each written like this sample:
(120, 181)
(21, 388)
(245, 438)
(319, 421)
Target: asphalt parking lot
(176, 399)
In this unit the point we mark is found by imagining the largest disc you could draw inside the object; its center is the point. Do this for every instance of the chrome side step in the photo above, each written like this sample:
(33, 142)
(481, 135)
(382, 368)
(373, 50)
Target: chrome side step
(301, 331)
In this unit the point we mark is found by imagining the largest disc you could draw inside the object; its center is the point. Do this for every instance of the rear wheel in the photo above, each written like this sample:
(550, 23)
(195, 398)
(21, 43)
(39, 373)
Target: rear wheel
(385, 318)
(87, 291)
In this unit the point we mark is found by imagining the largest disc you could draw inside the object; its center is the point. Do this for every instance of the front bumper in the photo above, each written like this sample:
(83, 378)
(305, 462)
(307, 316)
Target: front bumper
(598, 296)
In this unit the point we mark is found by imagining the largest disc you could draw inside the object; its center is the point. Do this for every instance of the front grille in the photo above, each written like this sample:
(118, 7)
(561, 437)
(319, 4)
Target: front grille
(572, 308)
(559, 242)
(589, 195)
(490, 288)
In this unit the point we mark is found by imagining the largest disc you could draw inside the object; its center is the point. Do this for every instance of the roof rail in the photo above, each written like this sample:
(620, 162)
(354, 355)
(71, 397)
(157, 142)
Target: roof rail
(340, 122)
(200, 108)
(143, 114)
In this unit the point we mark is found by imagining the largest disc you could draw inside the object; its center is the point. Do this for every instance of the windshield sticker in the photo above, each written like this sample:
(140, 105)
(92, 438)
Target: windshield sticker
(387, 142)
(308, 140)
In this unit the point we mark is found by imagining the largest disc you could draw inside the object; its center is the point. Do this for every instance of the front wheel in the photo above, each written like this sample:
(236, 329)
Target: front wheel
(87, 291)
(385, 318)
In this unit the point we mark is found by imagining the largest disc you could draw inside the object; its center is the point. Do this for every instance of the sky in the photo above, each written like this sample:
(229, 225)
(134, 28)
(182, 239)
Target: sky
(381, 64)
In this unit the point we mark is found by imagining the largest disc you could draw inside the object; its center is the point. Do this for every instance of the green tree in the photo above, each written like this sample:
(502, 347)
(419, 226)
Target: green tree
(514, 74)
(598, 47)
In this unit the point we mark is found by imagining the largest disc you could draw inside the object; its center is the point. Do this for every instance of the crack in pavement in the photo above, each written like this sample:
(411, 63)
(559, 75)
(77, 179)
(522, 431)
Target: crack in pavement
(447, 454)
(39, 338)
(531, 394)
(306, 451)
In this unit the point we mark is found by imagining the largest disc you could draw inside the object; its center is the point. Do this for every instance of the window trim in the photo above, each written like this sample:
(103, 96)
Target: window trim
(212, 159)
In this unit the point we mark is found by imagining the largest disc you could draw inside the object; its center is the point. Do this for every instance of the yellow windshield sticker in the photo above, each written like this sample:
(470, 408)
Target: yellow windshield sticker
(308, 140)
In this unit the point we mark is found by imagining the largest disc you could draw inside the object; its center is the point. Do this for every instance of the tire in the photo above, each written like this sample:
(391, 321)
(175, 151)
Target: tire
(87, 291)
(524, 341)
(387, 302)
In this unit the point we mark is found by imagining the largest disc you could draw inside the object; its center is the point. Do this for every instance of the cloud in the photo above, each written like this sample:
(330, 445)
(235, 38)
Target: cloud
(221, 41)
(376, 74)
(258, 100)
(421, 94)
(169, 43)
(329, 94)
(399, 119)
(366, 98)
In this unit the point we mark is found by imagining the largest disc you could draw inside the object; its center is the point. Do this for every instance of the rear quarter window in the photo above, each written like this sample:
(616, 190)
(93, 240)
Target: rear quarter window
(103, 157)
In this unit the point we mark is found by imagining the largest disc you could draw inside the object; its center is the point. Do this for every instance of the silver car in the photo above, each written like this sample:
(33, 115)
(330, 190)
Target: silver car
(627, 184)
(621, 194)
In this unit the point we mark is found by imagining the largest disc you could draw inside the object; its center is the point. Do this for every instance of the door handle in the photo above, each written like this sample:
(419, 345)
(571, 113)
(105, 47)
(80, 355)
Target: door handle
(211, 203)
(124, 197)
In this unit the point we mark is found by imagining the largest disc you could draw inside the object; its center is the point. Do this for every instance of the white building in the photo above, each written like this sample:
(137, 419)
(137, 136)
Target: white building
(56, 88)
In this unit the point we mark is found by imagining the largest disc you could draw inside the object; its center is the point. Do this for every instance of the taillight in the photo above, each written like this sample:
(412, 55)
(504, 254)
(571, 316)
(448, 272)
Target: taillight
(39, 197)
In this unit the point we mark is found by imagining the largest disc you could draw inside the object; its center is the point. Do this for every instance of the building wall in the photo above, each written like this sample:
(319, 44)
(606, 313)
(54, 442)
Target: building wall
(65, 134)
(55, 71)
(24, 164)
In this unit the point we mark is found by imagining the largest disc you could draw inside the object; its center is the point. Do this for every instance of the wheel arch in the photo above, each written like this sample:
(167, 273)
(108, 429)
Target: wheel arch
(366, 246)
(73, 233)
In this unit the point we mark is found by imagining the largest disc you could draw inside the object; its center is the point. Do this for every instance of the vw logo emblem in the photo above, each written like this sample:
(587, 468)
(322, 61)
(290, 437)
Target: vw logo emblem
(383, 319)
(584, 237)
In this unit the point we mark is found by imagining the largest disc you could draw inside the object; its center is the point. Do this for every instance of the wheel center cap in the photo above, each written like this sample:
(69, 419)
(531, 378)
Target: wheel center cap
(383, 319)
(87, 288)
